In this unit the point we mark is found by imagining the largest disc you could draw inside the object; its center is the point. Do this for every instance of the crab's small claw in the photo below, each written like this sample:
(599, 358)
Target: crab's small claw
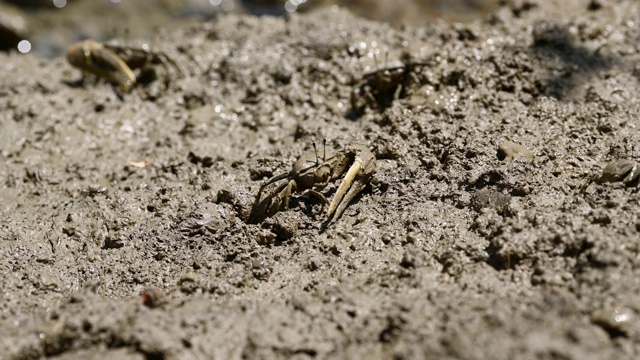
(354, 182)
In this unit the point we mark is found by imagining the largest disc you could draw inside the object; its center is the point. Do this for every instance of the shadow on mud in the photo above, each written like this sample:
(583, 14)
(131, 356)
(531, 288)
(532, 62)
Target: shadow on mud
(568, 64)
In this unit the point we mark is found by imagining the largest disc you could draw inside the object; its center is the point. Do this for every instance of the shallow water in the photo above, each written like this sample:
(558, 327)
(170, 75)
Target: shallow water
(55, 24)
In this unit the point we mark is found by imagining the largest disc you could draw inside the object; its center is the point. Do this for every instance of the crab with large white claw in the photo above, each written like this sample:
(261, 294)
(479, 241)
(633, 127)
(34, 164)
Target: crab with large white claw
(356, 162)
(123, 65)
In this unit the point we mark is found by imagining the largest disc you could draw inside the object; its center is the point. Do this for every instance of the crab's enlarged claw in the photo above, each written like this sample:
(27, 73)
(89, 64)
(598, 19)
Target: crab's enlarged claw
(93, 57)
(354, 182)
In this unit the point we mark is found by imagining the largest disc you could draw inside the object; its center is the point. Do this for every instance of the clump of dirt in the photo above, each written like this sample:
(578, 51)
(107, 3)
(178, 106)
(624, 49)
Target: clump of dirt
(448, 252)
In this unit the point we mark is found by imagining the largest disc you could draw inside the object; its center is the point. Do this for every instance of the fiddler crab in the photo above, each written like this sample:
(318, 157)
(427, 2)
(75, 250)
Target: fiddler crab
(625, 171)
(123, 65)
(309, 172)
(622, 170)
(378, 89)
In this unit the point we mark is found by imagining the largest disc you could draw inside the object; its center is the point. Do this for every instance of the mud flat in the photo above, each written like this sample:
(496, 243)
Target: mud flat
(485, 233)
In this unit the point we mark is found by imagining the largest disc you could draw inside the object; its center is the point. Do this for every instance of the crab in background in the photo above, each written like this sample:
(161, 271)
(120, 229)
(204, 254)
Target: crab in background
(355, 162)
(625, 171)
(378, 89)
(125, 66)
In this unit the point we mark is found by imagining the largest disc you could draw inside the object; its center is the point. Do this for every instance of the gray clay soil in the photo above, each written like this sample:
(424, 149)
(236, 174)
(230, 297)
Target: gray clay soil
(453, 251)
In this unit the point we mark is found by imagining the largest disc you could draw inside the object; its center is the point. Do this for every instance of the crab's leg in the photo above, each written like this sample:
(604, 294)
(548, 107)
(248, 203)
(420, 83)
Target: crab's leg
(165, 59)
(271, 181)
(286, 193)
(265, 207)
(318, 195)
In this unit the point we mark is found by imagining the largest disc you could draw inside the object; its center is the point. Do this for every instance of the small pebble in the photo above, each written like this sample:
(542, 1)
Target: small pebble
(616, 320)
(509, 150)
(151, 296)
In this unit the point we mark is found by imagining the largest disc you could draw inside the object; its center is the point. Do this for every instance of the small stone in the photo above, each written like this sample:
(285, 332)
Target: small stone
(151, 296)
(188, 277)
(617, 320)
(188, 283)
(386, 239)
(509, 150)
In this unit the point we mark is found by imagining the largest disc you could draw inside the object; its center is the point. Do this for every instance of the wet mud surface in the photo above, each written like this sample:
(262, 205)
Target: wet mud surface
(486, 231)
